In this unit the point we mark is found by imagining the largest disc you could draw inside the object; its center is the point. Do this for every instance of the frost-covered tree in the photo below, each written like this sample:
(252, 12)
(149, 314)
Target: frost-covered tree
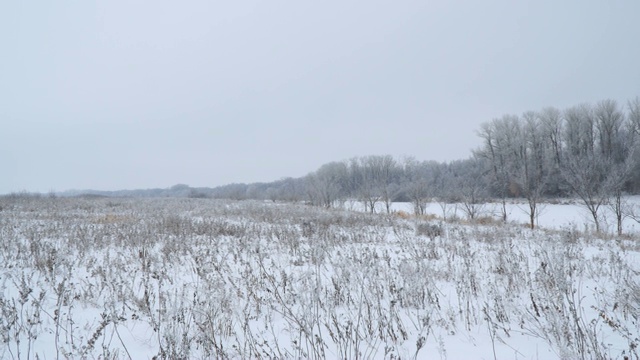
(469, 177)
(552, 127)
(387, 174)
(517, 155)
(369, 189)
(598, 157)
(615, 146)
(417, 187)
(583, 169)
(326, 186)
(634, 116)
(493, 151)
(377, 175)
(531, 164)
(443, 192)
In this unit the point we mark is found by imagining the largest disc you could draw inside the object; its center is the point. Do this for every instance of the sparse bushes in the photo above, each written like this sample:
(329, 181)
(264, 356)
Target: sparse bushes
(430, 230)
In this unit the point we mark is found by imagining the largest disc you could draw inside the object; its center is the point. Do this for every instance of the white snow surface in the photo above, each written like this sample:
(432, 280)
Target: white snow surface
(558, 214)
(198, 278)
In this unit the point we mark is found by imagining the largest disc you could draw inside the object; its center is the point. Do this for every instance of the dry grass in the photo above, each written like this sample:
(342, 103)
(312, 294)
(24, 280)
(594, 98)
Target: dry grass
(194, 278)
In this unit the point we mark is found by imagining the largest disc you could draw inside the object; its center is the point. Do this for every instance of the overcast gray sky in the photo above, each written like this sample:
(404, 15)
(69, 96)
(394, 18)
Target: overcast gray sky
(136, 94)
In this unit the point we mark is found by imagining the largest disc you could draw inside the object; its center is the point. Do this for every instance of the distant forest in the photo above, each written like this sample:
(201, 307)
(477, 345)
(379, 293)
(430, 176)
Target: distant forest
(588, 151)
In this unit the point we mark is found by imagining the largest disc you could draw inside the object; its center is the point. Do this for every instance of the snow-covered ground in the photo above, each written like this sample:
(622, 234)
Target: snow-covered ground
(197, 278)
(558, 215)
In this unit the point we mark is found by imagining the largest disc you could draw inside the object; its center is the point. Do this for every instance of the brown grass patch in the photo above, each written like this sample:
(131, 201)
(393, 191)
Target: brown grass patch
(402, 215)
(429, 217)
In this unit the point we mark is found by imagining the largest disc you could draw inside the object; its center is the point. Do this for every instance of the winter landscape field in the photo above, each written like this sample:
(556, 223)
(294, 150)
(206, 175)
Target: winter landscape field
(100, 278)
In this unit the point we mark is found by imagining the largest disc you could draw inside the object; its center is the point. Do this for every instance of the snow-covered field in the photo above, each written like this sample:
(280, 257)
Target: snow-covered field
(197, 278)
(558, 215)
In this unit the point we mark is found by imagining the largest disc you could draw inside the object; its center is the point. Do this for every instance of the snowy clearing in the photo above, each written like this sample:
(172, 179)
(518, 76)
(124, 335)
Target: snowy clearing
(558, 215)
(198, 278)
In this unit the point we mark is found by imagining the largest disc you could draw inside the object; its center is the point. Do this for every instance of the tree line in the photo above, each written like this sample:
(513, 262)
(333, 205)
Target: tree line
(587, 151)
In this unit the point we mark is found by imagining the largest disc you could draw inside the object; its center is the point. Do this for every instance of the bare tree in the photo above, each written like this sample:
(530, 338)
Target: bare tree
(634, 116)
(552, 127)
(586, 177)
(442, 191)
(417, 185)
(369, 190)
(493, 153)
(505, 149)
(378, 174)
(551, 119)
(615, 181)
(531, 164)
(633, 128)
(470, 177)
(597, 160)
(326, 186)
(579, 130)
(609, 120)
(617, 147)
